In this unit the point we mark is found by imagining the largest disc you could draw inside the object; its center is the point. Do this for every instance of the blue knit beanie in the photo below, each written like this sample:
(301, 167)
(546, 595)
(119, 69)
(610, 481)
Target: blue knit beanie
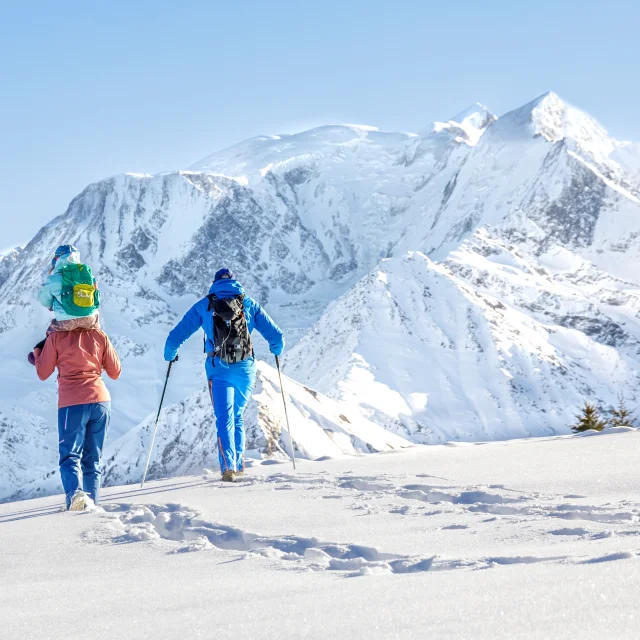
(223, 273)
(63, 250)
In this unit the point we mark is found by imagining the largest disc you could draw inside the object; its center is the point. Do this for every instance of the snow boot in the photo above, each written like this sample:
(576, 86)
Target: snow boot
(229, 476)
(78, 501)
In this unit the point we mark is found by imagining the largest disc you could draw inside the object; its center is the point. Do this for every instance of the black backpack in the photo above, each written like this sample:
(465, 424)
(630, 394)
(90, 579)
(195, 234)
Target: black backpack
(231, 338)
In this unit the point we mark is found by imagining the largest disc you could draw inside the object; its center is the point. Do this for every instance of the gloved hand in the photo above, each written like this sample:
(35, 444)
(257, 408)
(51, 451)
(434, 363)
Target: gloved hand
(277, 351)
(170, 355)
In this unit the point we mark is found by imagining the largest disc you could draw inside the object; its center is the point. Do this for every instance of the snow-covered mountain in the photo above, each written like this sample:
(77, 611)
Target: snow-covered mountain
(484, 345)
(476, 280)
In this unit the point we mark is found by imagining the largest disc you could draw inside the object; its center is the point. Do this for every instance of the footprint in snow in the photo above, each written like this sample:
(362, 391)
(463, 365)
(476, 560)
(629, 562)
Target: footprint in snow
(182, 526)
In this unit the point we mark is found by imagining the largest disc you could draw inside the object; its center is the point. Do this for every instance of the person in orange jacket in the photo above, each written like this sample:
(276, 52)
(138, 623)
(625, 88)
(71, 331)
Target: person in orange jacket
(84, 406)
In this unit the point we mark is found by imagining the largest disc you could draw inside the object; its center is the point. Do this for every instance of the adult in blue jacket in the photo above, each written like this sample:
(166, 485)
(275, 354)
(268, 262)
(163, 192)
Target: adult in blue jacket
(230, 385)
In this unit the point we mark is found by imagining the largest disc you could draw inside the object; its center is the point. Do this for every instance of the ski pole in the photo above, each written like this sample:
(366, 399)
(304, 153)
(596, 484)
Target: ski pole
(286, 415)
(146, 466)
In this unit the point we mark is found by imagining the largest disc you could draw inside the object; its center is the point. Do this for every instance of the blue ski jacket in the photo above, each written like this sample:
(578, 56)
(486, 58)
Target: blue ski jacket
(199, 316)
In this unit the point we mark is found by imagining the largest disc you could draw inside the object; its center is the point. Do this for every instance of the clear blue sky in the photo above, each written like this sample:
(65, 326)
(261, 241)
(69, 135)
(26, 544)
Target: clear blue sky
(90, 89)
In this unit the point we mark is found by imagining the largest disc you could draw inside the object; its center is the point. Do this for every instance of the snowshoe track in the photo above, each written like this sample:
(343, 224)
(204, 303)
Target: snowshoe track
(184, 528)
(180, 523)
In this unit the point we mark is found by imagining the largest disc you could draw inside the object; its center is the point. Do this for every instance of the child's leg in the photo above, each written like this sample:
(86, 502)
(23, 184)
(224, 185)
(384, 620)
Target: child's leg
(32, 356)
(60, 325)
(86, 322)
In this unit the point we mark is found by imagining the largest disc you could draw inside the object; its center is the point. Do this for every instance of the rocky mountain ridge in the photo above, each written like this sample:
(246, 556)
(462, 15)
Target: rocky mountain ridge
(528, 222)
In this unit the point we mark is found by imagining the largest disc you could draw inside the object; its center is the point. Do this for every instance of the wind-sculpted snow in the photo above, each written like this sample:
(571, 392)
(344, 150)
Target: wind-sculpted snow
(506, 295)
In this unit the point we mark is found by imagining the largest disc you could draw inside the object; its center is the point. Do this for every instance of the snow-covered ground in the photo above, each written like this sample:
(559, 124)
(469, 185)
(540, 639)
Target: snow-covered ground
(525, 538)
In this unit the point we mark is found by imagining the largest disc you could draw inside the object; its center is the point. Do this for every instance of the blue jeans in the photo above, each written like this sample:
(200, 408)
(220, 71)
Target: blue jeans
(82, 429)
(230, 387)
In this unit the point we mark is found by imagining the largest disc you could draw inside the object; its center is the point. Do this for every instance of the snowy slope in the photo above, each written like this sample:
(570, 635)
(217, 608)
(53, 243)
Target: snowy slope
(627, 154)
(524, 539)
(483, 346)
(537, 210)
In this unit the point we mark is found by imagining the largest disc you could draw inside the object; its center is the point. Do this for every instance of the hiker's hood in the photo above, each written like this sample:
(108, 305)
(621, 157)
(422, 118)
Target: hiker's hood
(226, 288)
(67, 259)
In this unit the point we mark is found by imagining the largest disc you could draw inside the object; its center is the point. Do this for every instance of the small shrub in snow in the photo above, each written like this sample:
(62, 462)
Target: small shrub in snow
(589, 419)
(621, 416)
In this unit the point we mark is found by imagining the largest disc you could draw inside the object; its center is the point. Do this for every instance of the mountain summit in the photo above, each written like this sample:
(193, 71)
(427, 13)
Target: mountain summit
(555, 120)
(468, 125)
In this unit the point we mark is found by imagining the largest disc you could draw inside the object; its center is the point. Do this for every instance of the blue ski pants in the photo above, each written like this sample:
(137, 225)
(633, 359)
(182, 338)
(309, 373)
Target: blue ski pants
(230, 387)
(82, 429)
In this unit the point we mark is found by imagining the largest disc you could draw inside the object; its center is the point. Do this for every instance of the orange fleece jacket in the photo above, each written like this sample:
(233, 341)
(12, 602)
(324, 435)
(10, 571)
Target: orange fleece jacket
(80, 356)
